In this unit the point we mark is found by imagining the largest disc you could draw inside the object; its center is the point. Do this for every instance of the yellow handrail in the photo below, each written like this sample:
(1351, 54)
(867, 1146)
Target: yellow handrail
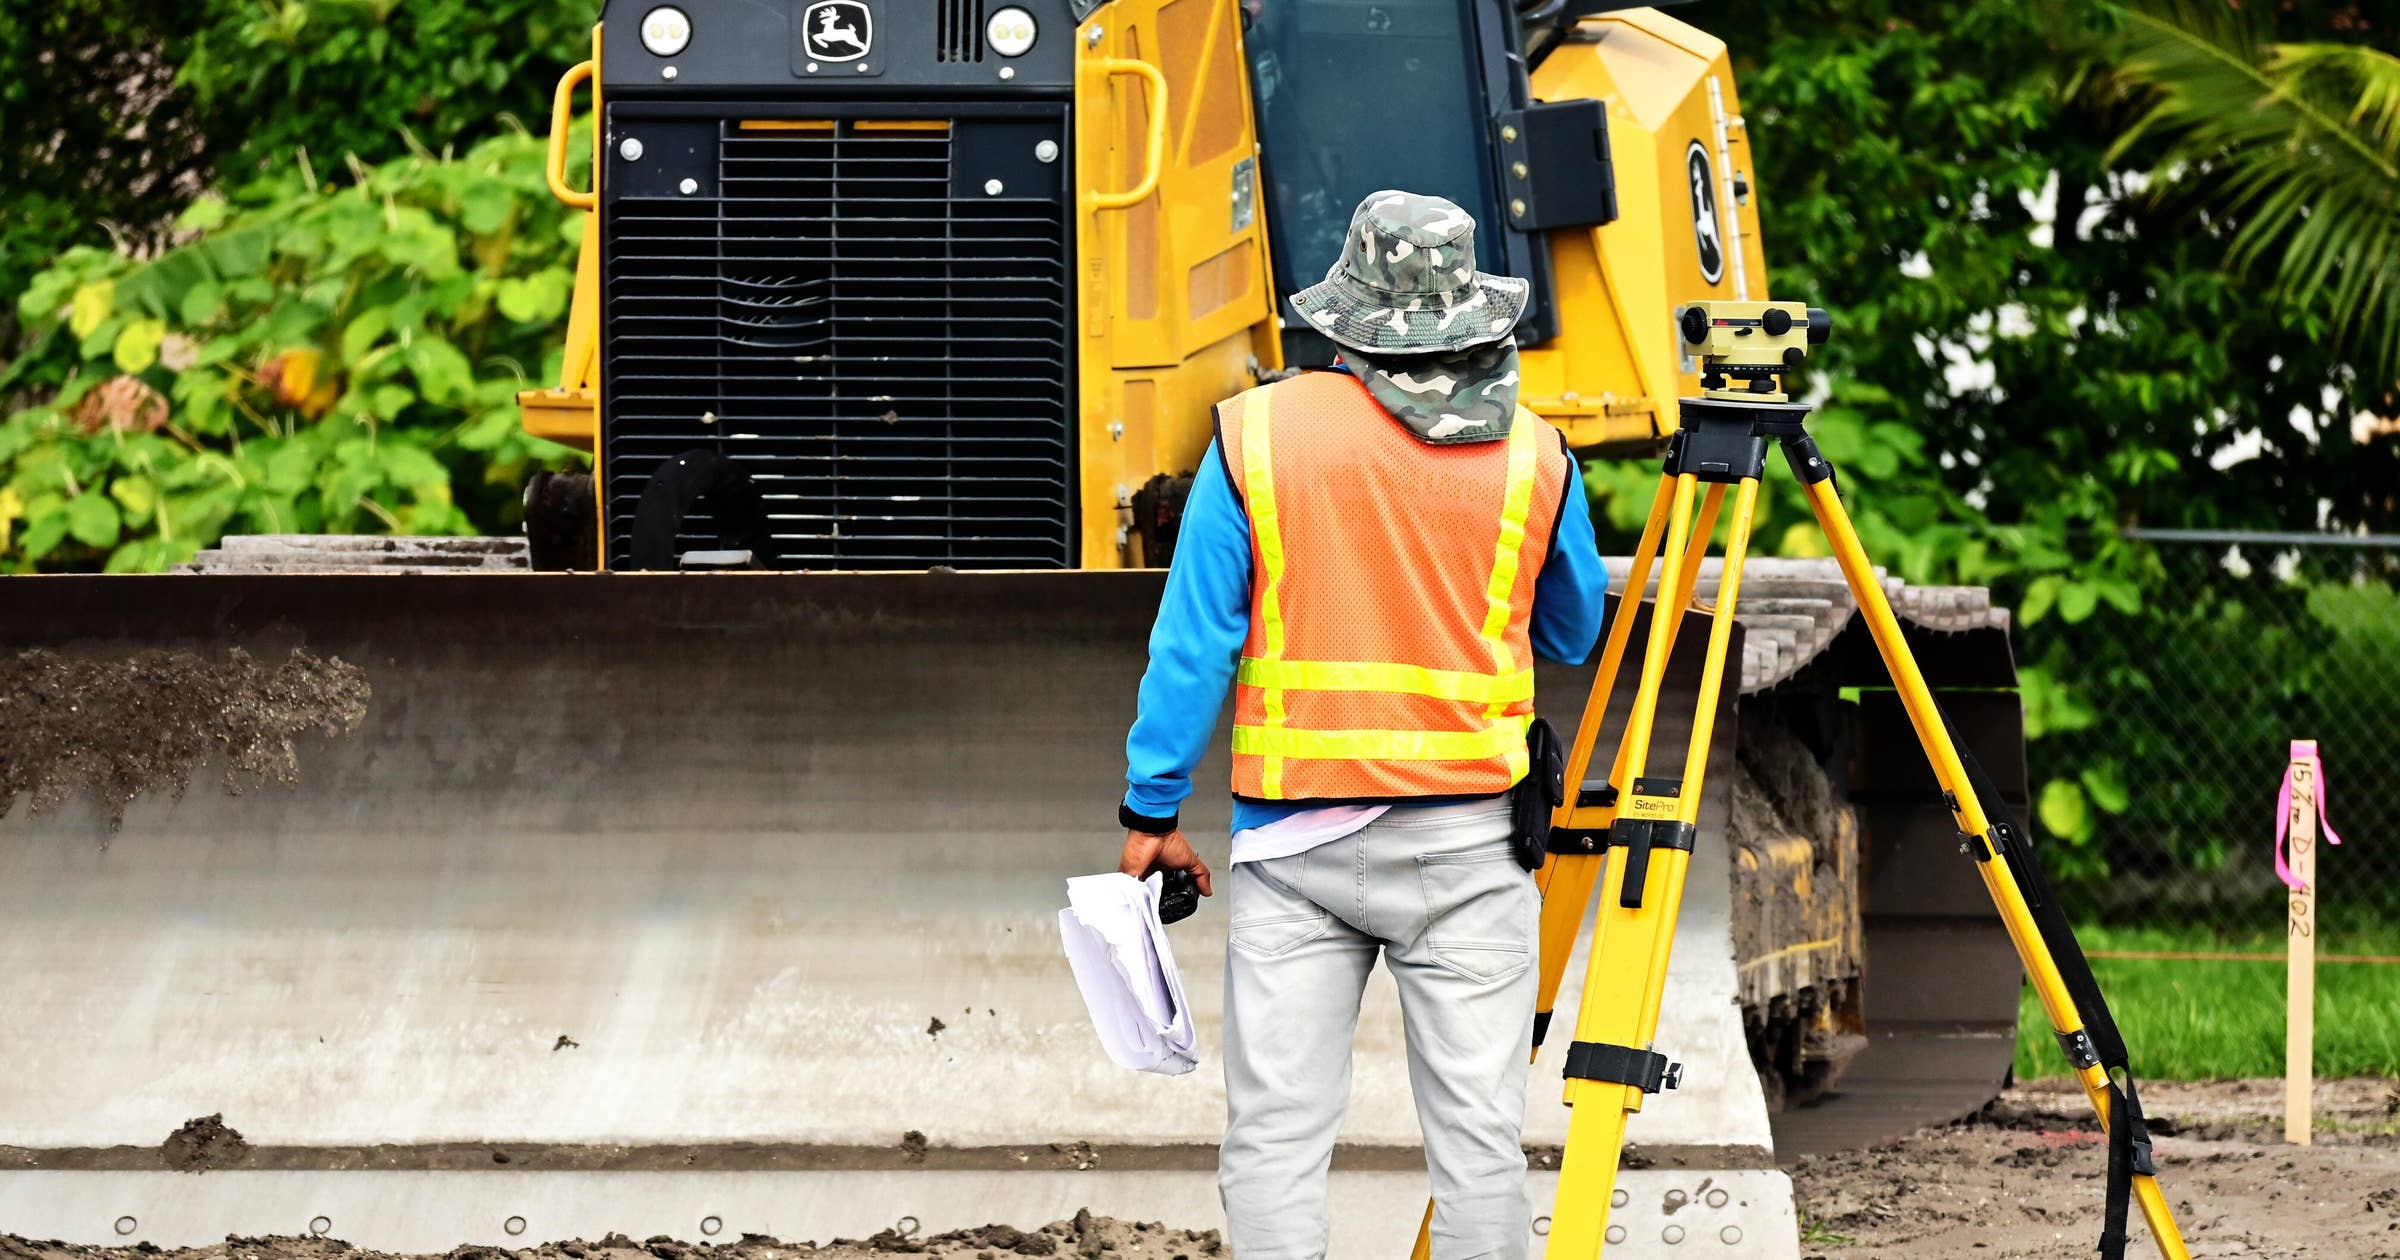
(562, 117)
(1155, 159)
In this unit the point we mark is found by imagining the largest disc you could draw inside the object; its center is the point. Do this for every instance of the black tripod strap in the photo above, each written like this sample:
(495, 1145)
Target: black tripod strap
(2125, 1117)
(1646, 1070)
(2100, 1042)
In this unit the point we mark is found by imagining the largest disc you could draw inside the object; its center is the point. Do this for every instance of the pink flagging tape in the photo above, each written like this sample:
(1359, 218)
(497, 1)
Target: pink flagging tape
(2302, 750)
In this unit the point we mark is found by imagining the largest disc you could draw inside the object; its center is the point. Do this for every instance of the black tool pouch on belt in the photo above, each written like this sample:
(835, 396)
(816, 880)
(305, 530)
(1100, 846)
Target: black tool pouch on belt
(1541, 791)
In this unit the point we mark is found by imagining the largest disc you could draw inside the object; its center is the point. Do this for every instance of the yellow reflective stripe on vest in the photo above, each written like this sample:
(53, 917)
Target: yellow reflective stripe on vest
(1406, 680)
(1524, 459)
(1280, 742)
(1266, 525)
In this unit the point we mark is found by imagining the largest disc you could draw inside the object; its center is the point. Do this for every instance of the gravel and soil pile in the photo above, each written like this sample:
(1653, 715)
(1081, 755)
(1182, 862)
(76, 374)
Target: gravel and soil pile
(119, 728)
(203, 1143)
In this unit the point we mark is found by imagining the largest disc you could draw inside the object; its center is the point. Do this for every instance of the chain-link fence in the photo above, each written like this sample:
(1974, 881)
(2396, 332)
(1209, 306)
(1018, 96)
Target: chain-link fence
(2161, 731)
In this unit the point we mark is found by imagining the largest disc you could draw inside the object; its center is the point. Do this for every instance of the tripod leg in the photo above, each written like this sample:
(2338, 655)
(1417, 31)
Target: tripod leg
(1703, 529)
(1565, 879)
(1668, 613)
(2041, 965)
(1610, 1069)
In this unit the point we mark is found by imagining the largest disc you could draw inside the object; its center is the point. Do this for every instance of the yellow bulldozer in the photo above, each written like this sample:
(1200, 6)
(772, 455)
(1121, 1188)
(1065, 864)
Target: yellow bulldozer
(710, 892)
(971, 306)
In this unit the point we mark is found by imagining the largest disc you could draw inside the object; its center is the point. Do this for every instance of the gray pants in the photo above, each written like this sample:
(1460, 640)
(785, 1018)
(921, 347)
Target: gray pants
(1437, 892)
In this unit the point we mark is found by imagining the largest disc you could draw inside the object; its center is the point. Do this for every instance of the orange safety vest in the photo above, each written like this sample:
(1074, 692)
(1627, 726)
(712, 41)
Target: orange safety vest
(1391, 596)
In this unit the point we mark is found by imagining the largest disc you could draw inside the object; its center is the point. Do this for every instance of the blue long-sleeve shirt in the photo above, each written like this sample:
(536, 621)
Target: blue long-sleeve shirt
(1205, 618)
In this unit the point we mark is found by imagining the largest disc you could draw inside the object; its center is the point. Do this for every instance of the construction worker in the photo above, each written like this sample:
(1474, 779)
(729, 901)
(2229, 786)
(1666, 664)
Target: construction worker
(1371, 556)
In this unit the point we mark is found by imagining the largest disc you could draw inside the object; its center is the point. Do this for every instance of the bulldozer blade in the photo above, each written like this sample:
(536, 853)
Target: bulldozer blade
(578, 879)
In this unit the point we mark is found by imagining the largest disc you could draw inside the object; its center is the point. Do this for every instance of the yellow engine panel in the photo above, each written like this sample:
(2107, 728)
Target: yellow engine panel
(569, 411)
(1176, 303)
(1611, 377)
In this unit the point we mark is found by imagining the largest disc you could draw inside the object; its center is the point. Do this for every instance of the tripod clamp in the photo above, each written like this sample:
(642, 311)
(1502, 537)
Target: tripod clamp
(1724, 441)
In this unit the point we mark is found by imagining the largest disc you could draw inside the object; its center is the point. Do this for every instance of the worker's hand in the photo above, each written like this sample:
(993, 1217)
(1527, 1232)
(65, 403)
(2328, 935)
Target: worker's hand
(1145, 853)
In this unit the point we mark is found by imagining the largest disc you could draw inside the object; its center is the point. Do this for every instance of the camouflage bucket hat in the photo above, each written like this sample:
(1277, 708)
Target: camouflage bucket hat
(1406, 282)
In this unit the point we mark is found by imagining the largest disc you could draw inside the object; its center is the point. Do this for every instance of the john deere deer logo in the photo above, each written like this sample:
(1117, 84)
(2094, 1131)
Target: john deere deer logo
(837, 30)
(1705, 228)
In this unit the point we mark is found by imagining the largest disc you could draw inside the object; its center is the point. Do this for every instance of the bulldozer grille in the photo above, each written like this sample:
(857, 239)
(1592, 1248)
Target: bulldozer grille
(876, 340)
(959, 35)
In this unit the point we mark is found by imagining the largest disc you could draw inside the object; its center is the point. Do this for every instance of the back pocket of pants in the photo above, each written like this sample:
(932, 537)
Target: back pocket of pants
(1480, 910)
(1274, 934)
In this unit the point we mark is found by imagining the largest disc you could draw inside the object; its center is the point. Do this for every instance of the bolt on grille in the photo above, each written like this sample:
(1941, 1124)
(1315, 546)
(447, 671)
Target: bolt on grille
(882, 351)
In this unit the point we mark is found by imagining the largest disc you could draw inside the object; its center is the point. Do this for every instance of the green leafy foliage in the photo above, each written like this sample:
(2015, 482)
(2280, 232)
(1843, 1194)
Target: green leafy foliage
(317, 358)
(362, 70)
(2293, 149)
(112, 114)
(2039, 343)
(2038, 346)
(2177, 731)
(2066, 348)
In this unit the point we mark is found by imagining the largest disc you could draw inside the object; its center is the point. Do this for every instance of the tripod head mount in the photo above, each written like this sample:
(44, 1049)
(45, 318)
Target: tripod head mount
(1745, 348)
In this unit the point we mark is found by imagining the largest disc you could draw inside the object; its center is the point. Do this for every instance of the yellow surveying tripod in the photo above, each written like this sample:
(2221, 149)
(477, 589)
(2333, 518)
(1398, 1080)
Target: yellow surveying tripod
(1636, 844)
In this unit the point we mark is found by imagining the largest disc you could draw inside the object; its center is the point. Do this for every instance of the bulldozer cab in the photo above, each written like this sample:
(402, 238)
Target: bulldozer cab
(1353, 97)
(898, 284)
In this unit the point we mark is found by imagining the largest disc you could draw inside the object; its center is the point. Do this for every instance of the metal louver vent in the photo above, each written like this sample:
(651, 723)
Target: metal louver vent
(875, 340)
(961, 30)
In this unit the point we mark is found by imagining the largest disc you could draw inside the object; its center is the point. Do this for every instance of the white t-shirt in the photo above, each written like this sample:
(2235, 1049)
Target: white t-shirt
(1309, 828)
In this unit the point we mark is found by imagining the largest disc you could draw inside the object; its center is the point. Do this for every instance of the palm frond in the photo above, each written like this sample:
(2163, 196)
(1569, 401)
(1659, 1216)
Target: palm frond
(2296, 146)
(2368, 77)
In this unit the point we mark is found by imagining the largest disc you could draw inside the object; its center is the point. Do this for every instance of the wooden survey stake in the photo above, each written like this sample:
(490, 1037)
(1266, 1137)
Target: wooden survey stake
(2300, 982)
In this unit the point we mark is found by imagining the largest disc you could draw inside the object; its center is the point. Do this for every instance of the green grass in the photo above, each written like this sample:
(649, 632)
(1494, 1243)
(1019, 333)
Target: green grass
(1813, 1232)
(2190, 1020)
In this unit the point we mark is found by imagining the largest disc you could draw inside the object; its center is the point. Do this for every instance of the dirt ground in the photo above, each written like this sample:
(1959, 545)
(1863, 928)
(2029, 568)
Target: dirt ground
(1086, 1237)
(2022, 1179)
(2025, 1179)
